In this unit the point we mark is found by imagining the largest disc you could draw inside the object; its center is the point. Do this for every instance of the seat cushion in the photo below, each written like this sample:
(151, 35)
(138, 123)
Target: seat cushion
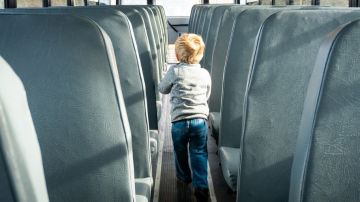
(158, 107)
(214, 119)
(154, 143)
(229, 159)
(140, 198)
(143, 188)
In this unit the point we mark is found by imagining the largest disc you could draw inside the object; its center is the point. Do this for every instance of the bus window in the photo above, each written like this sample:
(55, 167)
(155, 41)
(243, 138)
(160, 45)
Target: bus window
(29, 3)
(58, 2)
(92, 2)
(281, 2)
(133, 2)
(340, 3)
(177, 7)
(265, 2)
(79, 3)
(221, 1)
(304, 2)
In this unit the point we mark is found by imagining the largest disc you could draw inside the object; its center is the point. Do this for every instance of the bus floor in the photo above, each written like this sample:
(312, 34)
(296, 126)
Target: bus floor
(166, 189)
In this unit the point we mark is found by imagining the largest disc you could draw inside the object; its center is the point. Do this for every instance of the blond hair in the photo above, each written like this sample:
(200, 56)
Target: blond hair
(189, 48)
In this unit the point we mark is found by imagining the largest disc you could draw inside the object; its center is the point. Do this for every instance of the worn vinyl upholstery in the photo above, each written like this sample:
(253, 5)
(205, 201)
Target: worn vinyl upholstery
(208, 17)
(21, 170)
(212, 33)
(274, 100)
(147, 64)
(70, 75)
(218, 59)
(236, 72)
(119, 29)
(326, 165)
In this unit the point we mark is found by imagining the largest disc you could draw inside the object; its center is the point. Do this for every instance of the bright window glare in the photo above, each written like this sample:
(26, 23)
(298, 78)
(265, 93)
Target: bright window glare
(1, 4)
(341, 3)
(221, 1)
(58, 3)
(134, 2)
(177, 7)
(29, 3)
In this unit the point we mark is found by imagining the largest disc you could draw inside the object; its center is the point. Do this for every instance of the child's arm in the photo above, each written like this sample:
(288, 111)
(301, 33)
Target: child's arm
(166, 83)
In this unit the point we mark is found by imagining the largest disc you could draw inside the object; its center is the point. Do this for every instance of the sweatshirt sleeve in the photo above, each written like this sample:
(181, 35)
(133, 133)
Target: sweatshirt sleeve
(208, 92)
(166, 83)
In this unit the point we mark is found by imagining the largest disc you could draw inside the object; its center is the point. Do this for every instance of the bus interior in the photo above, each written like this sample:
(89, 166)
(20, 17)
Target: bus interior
(82, 119)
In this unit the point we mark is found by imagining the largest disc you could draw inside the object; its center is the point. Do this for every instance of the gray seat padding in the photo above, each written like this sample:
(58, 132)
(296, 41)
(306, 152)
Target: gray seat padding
(201, 21)
(214, 119)
(195, 18)
(157, 36)
(285, 57)
(230, 165)
(216, 66)
(69, 72)
(192, 17)
(140, 198)
(21, 170)
(143, 187)
(207, 22)
(236, 71)
(326, 161)
(162, 29)
(212, 33)
(152, 37)
(147, 64)
(119, 29)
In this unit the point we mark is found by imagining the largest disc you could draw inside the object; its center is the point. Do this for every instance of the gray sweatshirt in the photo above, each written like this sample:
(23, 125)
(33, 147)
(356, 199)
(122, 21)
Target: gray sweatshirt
(189, 86)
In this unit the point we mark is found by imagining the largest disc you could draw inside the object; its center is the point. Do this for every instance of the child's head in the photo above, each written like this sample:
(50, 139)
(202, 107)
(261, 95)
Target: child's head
(189, 48)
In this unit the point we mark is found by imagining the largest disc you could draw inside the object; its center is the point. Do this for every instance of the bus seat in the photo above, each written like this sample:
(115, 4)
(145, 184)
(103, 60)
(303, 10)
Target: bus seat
(284, 61)
(143, 187)
(230, 165)
(212, 33)
(236, 72)
(207, 22)
(147, 64)
(68, 68)
(219, 55)
(21, 169)
(214, 122)
(327, 150)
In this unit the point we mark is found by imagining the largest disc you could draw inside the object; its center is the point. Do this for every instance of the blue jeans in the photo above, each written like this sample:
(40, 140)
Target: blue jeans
(192, 132)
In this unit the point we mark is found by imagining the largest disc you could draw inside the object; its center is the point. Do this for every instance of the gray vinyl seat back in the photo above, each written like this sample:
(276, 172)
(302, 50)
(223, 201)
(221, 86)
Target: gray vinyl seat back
(285, 57)
(164, 24)
(21, 169)
(147, 64)
(159, 30)
(157, 35)
(327, 149)
(196, 18)
(152, 41)
(70, 75)
(192, 17)
(216, 66)
(159, 23)
(201, 21)
(212, 33)
(236, 71)
(200, 18)
(119, 29)
(208, 17)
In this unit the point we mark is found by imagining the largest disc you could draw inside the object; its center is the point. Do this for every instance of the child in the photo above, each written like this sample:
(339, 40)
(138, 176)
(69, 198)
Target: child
(189, 88)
